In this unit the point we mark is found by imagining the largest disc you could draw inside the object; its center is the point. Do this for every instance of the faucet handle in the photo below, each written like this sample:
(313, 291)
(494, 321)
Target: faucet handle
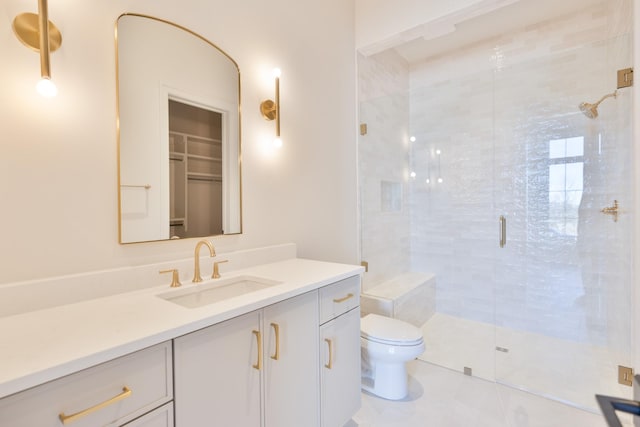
(175, 278)
(216, 271)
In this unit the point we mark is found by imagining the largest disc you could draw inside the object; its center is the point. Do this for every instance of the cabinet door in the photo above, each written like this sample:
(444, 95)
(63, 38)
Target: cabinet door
(340, 369)
(291, 362)
(216, 383)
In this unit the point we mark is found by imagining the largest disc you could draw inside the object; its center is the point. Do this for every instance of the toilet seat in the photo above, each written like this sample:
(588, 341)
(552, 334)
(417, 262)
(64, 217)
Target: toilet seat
(385, 330)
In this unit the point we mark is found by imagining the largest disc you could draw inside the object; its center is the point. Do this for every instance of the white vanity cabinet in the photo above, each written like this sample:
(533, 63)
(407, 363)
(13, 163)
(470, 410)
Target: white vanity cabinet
(340, 352)
(215, 382)
(261, 365)
(293, 363)
(113, 393)
(290, 364)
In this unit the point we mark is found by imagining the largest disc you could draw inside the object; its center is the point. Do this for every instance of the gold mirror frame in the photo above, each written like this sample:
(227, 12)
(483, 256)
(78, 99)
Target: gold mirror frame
(232, 190)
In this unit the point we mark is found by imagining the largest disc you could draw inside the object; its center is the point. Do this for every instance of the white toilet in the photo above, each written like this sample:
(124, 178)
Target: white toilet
(387, 344)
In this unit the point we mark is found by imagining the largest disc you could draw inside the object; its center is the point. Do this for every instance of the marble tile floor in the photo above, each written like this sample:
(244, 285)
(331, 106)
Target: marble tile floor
(440, 397)
(564, 370)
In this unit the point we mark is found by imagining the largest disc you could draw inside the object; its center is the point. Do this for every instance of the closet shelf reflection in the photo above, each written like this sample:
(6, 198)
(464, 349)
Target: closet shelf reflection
(199, 176)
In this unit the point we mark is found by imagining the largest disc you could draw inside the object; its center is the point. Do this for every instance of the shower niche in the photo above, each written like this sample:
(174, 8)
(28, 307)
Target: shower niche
(195, 170)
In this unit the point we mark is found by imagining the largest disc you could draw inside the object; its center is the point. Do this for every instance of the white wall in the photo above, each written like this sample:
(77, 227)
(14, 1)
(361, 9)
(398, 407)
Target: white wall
(58, 182)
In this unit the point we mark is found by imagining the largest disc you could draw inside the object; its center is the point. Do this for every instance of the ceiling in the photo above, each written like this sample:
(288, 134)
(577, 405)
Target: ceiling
(460, 31)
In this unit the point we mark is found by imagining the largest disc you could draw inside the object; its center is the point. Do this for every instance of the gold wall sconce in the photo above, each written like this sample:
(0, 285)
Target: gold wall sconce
(271, 109)
(38, 33)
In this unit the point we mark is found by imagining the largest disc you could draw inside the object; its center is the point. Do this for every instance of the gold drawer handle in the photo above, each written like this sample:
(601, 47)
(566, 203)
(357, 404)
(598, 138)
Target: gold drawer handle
(330, 364)
(276, 329)
(343, 299)
(66, 419)
(258, 365)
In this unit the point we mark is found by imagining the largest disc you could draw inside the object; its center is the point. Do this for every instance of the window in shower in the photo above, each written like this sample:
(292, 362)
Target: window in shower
(566, 164)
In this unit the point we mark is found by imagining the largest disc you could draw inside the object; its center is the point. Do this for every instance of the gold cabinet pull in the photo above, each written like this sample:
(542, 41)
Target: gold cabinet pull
(276, 329)
(258, 365)
(330, 343)
(66, 419)
(343, 299)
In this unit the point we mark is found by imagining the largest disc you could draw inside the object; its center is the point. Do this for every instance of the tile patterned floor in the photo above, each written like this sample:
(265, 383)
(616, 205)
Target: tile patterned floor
(440, 397)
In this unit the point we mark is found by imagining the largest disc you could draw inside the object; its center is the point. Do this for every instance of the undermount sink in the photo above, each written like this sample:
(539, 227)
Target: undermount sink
(217, 290)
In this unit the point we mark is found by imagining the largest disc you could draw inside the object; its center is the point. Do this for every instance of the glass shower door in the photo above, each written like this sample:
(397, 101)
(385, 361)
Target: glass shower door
(563, 294)
(452, 217)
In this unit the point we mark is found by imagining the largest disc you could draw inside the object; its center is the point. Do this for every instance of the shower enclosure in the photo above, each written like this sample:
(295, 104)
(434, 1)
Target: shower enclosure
(477, 165)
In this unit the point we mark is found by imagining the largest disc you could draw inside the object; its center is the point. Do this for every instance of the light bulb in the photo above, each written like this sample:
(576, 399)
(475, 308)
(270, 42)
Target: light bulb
(428, 181)
(47, 88)
(277, 143)
(438, 152)
(439, 180)
(277, 72)
(413, 174)
(412, 139)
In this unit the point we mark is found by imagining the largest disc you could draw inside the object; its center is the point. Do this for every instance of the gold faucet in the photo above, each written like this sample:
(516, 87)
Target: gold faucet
(196, 273)
(216, 269)
(175, 279)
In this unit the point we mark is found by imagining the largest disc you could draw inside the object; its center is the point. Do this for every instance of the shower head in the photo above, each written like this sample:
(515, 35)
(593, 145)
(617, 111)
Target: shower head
(591, 110)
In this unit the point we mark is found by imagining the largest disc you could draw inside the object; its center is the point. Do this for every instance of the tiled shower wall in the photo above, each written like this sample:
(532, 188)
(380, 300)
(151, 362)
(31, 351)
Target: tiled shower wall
(383, 169)
(483, 117)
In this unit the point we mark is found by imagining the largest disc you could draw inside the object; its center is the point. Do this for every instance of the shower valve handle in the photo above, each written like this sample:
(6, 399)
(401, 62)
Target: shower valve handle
(611, 210)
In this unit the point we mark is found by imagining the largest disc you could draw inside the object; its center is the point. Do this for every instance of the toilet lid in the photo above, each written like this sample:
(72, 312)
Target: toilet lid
(389, 331)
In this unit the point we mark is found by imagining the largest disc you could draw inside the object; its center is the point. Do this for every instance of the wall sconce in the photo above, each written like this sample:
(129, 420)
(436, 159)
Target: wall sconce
(271, 109)
(38, 33)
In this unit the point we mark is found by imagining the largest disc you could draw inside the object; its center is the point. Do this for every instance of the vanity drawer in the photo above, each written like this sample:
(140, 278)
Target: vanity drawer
(109, 394)
(339, 298)
(161, 417)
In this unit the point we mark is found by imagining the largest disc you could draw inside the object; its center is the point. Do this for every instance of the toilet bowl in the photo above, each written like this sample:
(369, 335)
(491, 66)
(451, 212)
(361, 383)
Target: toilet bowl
(386, 345)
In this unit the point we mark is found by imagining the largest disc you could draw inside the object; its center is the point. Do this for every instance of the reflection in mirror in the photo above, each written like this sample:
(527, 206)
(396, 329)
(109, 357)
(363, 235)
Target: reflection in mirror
(179, 133)
(195, 170)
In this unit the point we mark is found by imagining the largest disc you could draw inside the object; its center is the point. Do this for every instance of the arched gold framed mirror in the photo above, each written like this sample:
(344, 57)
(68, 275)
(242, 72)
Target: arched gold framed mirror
(178, 133)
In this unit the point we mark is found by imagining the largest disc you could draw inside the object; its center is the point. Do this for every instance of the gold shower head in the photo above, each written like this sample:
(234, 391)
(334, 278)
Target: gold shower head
(591, 110)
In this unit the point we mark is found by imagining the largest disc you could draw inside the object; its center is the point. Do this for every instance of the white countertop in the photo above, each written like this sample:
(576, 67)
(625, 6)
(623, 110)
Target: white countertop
(40, 346)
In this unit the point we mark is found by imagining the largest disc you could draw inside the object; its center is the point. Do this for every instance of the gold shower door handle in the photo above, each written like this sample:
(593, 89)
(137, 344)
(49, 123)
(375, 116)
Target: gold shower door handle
(276, 329)
(503, 231)
(330, 343)
(66, 419)
(258, 365)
